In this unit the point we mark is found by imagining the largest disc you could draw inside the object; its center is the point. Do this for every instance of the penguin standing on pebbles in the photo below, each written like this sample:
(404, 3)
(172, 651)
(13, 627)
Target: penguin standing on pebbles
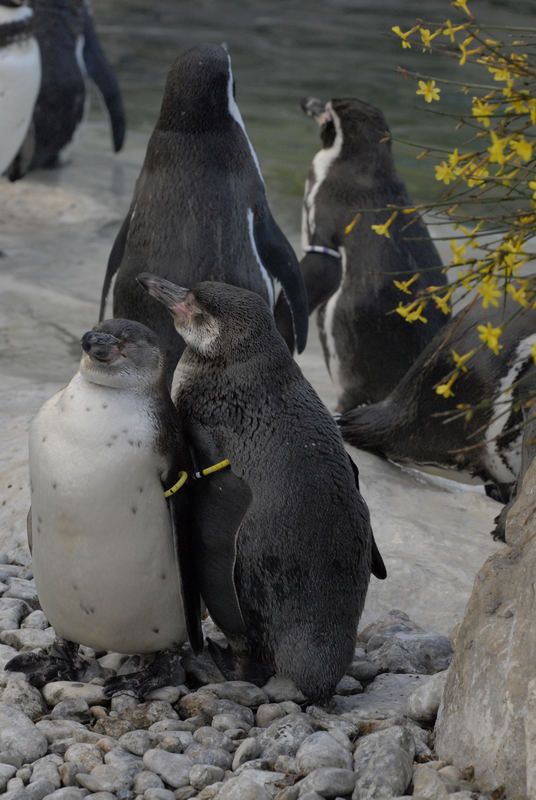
(199, 210)
(20, 76)
(348, 268)
(291, 536)
(70, 51)
(110, 555)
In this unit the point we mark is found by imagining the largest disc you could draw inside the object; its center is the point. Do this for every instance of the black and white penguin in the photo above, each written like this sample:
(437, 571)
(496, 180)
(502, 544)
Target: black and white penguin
(70, 51)
(20, 76)
(199, 209)
(415, 424)
(291, 535)
(110, 554)
(348, 268)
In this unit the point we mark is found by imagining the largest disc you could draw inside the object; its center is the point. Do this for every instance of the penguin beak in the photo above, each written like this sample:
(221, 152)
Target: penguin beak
(101, 346)
(316, 109)
(177, 299)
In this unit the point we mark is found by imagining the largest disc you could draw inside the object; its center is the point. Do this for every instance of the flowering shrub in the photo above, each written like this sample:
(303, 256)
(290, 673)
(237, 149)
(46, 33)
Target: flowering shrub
(488, 180)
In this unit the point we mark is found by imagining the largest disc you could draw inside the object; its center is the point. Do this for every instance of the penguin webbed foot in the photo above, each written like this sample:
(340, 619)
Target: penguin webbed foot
(60, 662)
(164, 670)
(238, 668)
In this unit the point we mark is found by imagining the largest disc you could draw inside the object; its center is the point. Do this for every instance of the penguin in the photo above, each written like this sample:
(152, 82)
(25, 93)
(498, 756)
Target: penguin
(70, 50)
(110, 554)
(479, 428)
(20, 76)
(199, 209)
(348, 268)
(296, 551)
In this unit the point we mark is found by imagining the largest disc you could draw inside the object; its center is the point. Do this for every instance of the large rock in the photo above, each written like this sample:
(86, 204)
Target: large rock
(483, 719)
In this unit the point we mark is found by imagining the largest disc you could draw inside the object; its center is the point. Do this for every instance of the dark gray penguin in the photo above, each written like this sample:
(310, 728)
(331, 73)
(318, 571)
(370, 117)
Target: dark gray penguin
(349, 275)
(110, 554)
(20, 76)
(414, 423)
(199, 209)
(69, 50)
(291, 536)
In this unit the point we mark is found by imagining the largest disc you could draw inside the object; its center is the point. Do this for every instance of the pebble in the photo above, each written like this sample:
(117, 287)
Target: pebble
(328, 782)
(385, 697)
(18, 732)
(28, 638)
(285, 735)
(423, 703)
(321, 749)
(88, 755)
(6, 772)
(383, 762)
(242, 692)
(15, 690)
(57, 691)
(23, 590)
(104, 778)
(427, 783)
(12, 612)
(423, 653)
(136, 742)
(158, 794)
(280, 689)
(173, 768)
(36, 619)
(209, 755)
(144, 780)
(67, 793)
(202, 775)
(75, 708)
(211, 737)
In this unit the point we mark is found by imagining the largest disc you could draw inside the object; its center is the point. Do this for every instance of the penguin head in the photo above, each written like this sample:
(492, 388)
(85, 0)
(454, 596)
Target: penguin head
(360, 127)
(199, 92)
(217, 320)
(122, 354)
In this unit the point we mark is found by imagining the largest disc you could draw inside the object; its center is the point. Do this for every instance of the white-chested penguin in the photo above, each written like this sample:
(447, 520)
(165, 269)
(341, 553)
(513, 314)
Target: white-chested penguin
(414, 424)
(349, 275)
(70, 51)
(199, 210)
(287, 527)
(20, 76)
(110, 554)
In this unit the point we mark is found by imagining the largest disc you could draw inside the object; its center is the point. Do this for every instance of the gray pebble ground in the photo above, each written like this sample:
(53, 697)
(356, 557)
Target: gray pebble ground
(224, 740)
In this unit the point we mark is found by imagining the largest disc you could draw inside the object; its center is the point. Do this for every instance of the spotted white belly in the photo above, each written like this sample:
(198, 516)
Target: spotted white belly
(20, 78)
(103, 555)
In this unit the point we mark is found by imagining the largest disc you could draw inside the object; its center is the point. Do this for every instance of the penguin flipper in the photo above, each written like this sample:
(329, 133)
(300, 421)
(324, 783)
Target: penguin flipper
(280, 260)
(322, 275)
(114, 261)
(191, 599)
(377, 564)
(101, 74)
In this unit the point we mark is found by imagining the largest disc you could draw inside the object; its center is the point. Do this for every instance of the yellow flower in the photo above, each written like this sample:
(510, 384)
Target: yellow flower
(428, 37)
(519, 295)
(410, 315)
(445, 389)
(532, 185)
(457, 251)
(461, 4)
(442, 303)
(460, 360)
(489, 291)
(404, 285)
(482, 110)
(522, 148)
(404, 36)
(450, 30)
(444, 173)
(383, 230)
(429, 90)
(533, 351)
(490, 336)
(349, 228)
(496, 151)
(413, 316)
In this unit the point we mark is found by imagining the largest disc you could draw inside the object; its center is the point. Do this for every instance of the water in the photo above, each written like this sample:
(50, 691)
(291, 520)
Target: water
(284, 49)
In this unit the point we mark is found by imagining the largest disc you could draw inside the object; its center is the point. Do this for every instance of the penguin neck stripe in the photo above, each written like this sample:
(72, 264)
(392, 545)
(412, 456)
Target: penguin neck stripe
(183, 476)
(15, 31)
(316, 248)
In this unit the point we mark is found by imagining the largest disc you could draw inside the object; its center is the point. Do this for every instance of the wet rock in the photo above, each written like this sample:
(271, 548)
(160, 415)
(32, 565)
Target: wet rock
(278, 689)
(28, 638)
(427, 783)
(321, 749)
(17, 732)
(385, 697)
(173, 768)
(242, 692)
(383, 762)
(202, 775)
(423, 703)
(284, 736)
(16, 690)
